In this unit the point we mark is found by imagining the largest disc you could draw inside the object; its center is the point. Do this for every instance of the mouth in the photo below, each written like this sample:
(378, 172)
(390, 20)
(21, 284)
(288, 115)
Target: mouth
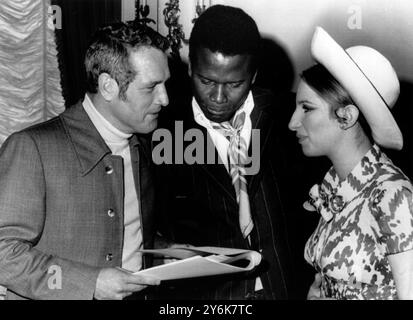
(301, 138)
(215, 111)
(221, 114)
(155, 113)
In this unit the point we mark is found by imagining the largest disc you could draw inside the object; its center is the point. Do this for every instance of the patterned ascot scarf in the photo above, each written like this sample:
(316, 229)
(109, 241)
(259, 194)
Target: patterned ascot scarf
(237, 159)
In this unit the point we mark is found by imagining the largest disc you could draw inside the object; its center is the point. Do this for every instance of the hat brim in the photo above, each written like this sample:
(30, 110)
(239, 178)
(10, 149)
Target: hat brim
(326, 51)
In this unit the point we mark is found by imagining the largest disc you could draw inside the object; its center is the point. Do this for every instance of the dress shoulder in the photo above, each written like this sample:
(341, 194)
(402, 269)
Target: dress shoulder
(392, 207)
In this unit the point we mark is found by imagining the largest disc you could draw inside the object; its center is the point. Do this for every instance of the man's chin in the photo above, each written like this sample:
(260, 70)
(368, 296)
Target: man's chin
(217, 117)
(148, 128)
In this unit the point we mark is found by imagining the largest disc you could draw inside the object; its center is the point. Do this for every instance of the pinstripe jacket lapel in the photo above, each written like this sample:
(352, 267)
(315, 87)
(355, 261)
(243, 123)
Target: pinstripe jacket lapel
(261, 119)
(217, 172)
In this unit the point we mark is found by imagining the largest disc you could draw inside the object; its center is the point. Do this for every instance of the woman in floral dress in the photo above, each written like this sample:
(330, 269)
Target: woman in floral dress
(362, 246)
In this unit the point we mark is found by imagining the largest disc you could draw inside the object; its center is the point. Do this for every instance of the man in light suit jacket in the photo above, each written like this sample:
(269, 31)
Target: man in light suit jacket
(76, 195)
(203, 206)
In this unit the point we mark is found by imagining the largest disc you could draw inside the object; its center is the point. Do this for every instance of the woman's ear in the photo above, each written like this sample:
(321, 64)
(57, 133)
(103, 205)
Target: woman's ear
(347, 116)
(108, 87)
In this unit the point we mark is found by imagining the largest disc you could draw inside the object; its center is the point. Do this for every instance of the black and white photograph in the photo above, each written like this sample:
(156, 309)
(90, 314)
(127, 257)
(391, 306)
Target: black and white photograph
(202, 156)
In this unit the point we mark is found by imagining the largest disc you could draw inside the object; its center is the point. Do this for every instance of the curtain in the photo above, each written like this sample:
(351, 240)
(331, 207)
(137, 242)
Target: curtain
(30, 90)
(80, 19)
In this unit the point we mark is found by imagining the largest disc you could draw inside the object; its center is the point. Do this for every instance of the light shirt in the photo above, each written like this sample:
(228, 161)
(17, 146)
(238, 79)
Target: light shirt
(118, 143)
(221, 143)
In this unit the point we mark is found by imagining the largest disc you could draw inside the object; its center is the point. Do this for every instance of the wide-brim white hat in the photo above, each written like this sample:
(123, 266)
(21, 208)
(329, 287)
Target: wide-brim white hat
(369, 79)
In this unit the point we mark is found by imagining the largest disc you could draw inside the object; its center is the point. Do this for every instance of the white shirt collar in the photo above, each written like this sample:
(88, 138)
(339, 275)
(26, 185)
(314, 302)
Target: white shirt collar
(200, 118)
(114, 138)
(220, 142)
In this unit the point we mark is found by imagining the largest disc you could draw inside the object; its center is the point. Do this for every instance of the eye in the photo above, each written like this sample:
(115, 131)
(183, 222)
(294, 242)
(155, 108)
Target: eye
(206, 82)
(236, 84)
(151, 87)
(306, 108)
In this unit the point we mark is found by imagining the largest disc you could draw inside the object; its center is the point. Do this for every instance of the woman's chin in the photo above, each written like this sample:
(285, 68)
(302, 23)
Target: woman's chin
(308, 152)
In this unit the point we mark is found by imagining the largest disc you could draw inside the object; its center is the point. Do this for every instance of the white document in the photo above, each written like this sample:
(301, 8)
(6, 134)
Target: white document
(201, 262)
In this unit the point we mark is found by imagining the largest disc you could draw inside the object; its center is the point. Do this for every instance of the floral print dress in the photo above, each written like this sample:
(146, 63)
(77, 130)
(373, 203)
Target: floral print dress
(364, 218)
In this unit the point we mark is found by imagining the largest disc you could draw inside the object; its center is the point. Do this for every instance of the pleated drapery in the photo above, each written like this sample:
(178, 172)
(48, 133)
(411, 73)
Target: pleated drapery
(30, 90)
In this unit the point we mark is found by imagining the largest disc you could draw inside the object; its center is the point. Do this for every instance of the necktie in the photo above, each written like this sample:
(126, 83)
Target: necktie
(237, 155)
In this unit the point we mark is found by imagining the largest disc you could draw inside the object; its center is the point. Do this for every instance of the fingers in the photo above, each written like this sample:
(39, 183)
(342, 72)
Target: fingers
(166, 261)
(141, 280)
(134, 283)
(317, 280)
(136, 279)
(117, 283)
(131, 288)
(181, 245)
(314, 292)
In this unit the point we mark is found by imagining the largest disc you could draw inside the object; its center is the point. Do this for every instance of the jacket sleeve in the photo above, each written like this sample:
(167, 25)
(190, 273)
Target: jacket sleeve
(24, 269)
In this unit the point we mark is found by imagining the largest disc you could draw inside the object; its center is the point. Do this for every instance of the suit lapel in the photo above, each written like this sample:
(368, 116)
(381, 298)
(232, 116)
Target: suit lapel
(86, 140)
(262, 120)
(217, 171)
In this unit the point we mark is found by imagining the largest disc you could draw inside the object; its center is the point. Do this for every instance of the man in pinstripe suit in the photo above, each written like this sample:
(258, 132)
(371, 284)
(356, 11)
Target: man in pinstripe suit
(201, 205)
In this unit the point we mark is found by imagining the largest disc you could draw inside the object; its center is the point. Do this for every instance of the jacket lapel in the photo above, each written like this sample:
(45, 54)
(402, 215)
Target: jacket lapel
(262, 120)
(86, 141)
(217, 171)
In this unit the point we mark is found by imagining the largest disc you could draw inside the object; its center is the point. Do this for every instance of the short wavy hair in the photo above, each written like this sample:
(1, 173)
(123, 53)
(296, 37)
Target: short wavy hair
(329, 89)
(109, 52)
(227, 30)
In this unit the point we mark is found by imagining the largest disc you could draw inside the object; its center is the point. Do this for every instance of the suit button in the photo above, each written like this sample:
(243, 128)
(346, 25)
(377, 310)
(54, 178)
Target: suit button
(109, 257)
(108, 169)
(111, 213)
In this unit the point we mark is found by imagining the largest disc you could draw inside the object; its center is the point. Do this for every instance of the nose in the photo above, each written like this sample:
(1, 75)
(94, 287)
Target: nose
(295, 121)
(218, 94)
(163, 98)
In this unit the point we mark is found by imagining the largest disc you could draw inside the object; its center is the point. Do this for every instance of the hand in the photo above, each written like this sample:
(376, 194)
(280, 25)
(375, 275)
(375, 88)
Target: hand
(314, 293)
(117, 283)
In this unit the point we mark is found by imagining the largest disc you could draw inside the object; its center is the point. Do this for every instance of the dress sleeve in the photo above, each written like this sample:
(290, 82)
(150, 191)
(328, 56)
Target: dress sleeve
(395, 217)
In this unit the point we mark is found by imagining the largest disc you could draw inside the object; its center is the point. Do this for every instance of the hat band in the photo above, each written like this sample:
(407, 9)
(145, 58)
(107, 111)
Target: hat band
(368, 79)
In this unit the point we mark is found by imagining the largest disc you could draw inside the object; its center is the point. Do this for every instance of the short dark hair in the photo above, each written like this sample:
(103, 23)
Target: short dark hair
(322, 81)
(109, 52)
(227, 30)
(329, 89)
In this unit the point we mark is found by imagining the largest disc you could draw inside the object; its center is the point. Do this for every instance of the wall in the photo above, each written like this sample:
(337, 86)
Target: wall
(128, 10)
(289, 24)
(384, 24)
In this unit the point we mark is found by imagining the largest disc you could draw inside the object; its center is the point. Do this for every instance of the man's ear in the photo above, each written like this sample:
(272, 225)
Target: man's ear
(347, 116)
(108, 87)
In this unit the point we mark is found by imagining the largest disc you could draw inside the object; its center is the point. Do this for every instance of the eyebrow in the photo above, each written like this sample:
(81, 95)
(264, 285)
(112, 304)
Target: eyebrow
(153, 83)
(304, 101)
(206, 78)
